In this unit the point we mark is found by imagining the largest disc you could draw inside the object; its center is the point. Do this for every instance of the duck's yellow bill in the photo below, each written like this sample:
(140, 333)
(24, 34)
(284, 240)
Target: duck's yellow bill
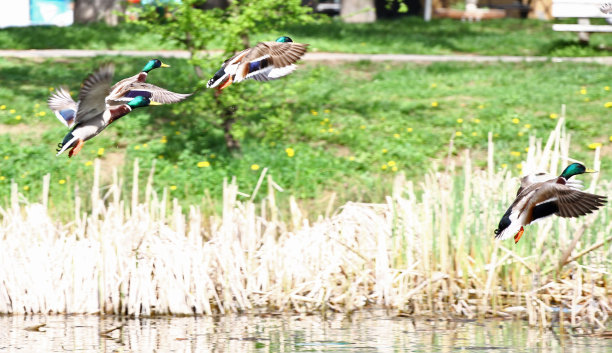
(590, 171)
(165, 65)
(154, 103)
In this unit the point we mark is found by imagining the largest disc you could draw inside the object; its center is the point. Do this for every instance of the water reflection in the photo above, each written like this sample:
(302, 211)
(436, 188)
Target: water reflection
(363, 332)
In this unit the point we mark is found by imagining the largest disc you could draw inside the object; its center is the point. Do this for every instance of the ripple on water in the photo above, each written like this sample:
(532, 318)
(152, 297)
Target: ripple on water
(370, 331)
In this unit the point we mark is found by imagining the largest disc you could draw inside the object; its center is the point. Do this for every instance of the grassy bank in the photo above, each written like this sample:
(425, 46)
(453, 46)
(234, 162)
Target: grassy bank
(345, 129)
(409, 35)
(427, 253)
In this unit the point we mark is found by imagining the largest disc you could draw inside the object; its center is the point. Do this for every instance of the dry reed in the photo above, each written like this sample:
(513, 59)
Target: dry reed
(428, 250)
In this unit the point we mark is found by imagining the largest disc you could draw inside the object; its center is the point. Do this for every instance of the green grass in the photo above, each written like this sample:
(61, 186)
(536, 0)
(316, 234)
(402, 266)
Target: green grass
(409, 35)
(344, 122)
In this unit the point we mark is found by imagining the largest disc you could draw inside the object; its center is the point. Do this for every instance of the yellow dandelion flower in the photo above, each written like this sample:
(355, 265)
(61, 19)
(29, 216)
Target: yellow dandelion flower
(2, 107)
(161, 156)
(515, 121)
(203, 164)
(254, 166)
(519, 166)
(172, 187)
(331, 129)
(26, 188)
(36, 106)
(326, 120)
(326, 111)
(521, 133)
(12, 111)
(607, 88)
(290, 152)
(526, 149)
(610, 138)
(322, 123)
(384, 150)
(553, 116)
(434, 104)
(18, 117)
(6, 157)
(583, 91)
(394, 169)
(362, 127)
(100, 151)
(351, 158)
(177, 132)
(481, 106)
(527, 126)
(458, 133)
(314, 112)
(51, 89)
(504, 165)
(173, 123)
(62, 181)
(474, 133)
(383, 167)
(433, 85)
(213, 156)
(408, 129)
(459, 120)
(145, 145)
(2, 177)
(594, 145)
(391, 163)
(608, 105)
(476, 120)
(88, 163)
(42, 113)
(515, 153)
(396, 136)
(137, 147)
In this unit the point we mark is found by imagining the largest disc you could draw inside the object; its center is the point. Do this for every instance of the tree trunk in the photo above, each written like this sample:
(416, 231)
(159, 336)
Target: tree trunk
(86, 11)
(358, 11)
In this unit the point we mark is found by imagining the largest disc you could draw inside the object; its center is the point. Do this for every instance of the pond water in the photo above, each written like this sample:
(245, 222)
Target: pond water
(362, 332)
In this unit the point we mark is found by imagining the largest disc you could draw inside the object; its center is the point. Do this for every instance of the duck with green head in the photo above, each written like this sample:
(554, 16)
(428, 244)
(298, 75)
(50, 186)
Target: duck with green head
(131, 87)
(542, 195)
(90, 115)
(264, 62)
(86, 130)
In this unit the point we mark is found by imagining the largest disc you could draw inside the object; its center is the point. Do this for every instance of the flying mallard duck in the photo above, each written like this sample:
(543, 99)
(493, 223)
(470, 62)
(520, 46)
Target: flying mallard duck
(90, 115)
(141, 76)
(542, 195)
(265, 61)
(128, 88)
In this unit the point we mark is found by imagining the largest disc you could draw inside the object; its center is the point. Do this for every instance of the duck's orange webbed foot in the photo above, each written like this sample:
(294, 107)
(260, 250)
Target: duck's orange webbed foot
(76, 148)
(518, 235)
(226, 83)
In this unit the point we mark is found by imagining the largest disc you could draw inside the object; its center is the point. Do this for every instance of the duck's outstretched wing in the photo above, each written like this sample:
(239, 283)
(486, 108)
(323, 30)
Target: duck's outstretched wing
(562, 200)
(270, 60)
(64, 107)
(153, 92)
(93, 93)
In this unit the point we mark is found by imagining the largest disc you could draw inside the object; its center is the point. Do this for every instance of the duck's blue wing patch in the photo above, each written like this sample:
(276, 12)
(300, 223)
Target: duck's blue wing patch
(138, 93)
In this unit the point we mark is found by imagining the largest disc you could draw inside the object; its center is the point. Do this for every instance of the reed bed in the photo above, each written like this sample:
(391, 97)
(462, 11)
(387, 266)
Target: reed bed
(427, 250)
